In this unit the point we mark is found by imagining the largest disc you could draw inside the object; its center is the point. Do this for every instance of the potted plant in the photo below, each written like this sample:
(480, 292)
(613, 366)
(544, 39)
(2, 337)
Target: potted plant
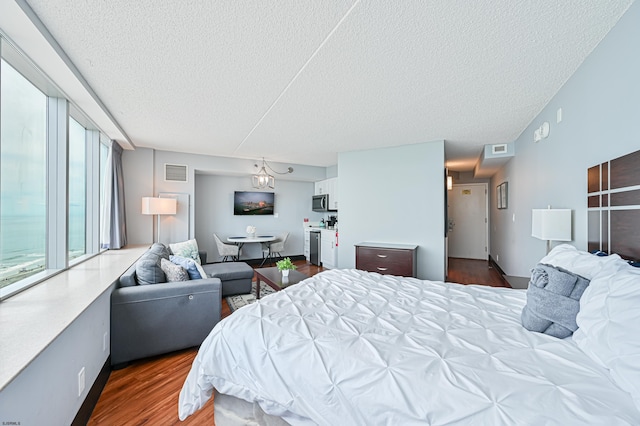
(285, 265)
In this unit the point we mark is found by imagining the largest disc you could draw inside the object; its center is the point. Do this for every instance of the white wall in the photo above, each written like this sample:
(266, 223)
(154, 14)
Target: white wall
(394, 195)
(600, 121)
(46, 392)
(214, 213)
(138, 182)
(144, 176)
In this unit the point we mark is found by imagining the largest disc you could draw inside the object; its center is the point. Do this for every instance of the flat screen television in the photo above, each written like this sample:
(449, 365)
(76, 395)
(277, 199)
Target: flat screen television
(252, 203)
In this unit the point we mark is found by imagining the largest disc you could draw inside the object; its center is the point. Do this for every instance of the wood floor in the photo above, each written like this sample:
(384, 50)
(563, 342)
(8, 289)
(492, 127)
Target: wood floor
(470, 271)
(146, 392)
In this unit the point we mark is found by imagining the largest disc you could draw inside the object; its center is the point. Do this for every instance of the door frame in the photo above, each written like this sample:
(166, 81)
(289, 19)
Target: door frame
(484, 185)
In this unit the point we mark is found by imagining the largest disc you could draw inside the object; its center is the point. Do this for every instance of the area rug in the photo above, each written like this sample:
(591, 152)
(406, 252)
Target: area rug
(240, 300)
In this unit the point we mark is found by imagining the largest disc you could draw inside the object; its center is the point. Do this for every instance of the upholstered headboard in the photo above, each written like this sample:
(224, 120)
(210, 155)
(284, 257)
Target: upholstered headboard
(613, 202)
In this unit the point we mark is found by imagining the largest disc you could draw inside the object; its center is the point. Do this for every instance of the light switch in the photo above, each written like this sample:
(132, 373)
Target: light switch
(559, 115)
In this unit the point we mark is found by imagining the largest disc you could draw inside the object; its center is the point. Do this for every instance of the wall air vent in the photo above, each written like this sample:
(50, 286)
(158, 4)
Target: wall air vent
(499, 149)
(175, 173)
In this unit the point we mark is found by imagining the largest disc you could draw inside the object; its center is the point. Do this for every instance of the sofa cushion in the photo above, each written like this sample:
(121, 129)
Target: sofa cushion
(173, 272)
(148, 267)
(229, 271)
(128, 279)
(188, 249)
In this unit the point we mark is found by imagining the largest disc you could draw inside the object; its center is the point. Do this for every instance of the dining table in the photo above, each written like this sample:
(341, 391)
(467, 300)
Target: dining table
(242, 240)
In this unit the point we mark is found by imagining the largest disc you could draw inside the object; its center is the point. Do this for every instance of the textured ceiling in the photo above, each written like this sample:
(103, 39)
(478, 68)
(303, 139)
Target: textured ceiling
(299, 81)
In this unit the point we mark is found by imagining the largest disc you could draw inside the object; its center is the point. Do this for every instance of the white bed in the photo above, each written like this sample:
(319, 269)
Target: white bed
(355, 348)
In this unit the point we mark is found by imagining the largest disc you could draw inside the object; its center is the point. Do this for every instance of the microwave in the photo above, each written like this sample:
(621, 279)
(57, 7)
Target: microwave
(320, 203)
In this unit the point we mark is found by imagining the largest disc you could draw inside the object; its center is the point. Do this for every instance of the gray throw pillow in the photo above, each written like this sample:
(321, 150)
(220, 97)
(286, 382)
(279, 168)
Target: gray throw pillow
(148, 269)
(161, 250)
(174, 273)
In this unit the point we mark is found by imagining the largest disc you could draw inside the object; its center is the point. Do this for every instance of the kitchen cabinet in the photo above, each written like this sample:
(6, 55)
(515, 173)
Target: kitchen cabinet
(329, 248)
(384, 258)
(328, 186)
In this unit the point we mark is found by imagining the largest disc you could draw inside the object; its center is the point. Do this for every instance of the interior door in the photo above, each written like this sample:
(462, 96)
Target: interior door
(468, 221)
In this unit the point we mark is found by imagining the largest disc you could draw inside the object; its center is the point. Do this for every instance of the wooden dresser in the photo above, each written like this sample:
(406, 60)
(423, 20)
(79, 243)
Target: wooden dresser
(385, 258)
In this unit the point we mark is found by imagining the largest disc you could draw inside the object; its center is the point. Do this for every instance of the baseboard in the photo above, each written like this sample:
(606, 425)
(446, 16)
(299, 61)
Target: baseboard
(84, 413)
(494, 265)
(497, 267)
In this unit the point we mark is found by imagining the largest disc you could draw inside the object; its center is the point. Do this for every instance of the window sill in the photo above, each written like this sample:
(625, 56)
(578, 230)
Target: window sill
(34, 318)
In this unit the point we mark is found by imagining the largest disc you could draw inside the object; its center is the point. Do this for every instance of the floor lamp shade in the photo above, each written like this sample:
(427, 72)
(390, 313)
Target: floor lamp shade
(551, 224)
(153, 205)
(159, 206)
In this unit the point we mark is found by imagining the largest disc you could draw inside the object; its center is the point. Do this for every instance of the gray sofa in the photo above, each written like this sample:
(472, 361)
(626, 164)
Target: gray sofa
(151, 317)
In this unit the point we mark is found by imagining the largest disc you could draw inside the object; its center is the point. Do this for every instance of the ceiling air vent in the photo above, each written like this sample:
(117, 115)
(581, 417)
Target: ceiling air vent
(499, 149)
(175, 173)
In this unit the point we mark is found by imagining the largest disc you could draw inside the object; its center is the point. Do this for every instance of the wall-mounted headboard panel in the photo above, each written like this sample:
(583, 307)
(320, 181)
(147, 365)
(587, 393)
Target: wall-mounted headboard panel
(613, 202)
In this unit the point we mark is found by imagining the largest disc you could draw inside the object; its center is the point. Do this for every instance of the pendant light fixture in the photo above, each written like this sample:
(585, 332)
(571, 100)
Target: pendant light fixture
(263, 179)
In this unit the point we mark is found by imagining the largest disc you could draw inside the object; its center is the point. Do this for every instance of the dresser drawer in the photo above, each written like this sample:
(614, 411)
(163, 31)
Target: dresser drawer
(384, 260)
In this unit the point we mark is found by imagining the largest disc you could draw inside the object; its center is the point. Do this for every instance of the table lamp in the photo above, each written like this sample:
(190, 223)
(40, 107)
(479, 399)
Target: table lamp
(551, 225)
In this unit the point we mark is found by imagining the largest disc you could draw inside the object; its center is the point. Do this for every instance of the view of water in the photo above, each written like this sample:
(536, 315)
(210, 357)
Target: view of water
(23, 245)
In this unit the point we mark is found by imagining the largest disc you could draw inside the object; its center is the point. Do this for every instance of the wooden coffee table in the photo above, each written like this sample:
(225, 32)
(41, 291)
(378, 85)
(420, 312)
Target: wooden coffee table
(274, 279)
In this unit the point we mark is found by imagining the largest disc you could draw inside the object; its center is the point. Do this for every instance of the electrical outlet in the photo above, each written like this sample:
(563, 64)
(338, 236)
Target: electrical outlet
(81, 381)
(104, 341)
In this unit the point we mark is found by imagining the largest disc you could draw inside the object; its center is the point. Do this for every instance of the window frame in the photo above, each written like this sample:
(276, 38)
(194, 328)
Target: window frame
(59, 111)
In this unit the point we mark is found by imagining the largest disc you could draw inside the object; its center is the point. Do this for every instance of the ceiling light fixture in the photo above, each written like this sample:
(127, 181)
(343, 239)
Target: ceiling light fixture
(263, 180)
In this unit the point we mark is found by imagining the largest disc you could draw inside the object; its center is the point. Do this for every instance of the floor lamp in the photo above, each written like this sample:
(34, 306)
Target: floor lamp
(551, 225)
(159, 206)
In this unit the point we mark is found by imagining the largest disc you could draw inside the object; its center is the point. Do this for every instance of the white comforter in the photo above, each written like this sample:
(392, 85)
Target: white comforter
(347, 347)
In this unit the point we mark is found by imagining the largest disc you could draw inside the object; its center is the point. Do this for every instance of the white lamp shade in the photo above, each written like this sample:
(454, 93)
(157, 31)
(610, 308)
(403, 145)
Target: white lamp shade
(551, 224)
(154, 205)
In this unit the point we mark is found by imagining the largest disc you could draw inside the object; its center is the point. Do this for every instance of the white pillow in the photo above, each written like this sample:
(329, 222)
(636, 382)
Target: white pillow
(203, 274)
(608, 326)
(188, 249)
(580, 262)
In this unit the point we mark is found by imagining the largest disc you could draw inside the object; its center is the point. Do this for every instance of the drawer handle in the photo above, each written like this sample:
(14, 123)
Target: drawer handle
(381, 269)
(382, 255)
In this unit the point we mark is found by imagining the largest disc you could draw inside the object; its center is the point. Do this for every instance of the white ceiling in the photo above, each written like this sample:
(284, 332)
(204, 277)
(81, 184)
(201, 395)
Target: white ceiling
(297, 81)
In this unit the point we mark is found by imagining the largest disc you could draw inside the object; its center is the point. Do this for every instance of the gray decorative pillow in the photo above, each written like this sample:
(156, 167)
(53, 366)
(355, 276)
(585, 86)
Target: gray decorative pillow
(553, 301)
(148, 269)
(161, 250)
(174, 272)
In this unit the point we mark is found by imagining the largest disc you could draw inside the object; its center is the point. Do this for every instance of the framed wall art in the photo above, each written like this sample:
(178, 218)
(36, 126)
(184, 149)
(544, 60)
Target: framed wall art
(502, 195)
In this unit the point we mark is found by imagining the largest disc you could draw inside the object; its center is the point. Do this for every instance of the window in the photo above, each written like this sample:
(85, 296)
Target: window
(77, 189)
(23, 170)
(51, 166)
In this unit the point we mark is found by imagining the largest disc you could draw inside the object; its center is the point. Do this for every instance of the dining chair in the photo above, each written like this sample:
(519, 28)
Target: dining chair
(227, 250)
(274, 247)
